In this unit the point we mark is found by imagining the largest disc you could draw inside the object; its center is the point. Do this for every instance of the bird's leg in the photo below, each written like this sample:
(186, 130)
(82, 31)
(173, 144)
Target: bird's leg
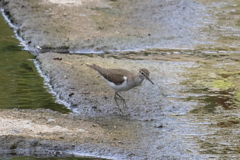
(122, 99)
(116, 97)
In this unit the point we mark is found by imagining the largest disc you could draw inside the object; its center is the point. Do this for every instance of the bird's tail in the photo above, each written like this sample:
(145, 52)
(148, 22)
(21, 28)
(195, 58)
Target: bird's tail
(93, 66)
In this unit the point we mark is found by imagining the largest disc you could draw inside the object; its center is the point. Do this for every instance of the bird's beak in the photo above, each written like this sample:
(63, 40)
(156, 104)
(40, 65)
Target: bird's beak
(148, 79)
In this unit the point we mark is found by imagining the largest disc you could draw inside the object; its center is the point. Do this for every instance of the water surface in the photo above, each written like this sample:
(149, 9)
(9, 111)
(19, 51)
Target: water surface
(20, 84)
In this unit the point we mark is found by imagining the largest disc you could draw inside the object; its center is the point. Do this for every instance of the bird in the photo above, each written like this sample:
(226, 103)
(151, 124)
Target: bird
(121, 80)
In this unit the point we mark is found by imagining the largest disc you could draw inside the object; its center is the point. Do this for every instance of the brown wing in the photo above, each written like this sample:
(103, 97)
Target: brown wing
(112, 75)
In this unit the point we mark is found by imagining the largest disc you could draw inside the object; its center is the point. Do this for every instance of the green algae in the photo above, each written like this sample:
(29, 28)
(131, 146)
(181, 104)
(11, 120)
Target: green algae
(215, 84)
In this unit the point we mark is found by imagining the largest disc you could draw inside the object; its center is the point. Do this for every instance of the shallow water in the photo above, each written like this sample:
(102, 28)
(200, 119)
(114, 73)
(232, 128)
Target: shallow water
(21, 86)
(214, 88)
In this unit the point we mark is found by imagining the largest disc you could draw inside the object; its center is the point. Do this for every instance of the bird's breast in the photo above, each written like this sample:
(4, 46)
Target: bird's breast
(120, 87)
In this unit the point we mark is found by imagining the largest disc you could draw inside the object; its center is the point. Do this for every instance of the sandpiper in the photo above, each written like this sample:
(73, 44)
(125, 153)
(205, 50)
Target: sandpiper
(121, 80)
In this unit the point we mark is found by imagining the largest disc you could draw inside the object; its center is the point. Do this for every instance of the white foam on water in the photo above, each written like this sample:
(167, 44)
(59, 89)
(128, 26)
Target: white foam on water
(49, 86)
(36, 63)
(15, 28)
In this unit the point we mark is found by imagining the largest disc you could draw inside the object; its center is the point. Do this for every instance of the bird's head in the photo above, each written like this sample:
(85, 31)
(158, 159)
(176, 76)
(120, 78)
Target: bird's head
(145, 73)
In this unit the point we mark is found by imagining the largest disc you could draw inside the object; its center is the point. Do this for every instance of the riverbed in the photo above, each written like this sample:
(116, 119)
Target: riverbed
(190, 48)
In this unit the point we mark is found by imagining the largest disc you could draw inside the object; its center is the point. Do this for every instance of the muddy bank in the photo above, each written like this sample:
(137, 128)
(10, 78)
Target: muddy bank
(92, 99)
(44, 132)
(103, 26)
(115, 26)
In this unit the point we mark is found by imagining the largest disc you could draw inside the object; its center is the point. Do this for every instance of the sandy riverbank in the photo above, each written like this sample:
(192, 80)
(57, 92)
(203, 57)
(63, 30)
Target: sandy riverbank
(105, 26)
